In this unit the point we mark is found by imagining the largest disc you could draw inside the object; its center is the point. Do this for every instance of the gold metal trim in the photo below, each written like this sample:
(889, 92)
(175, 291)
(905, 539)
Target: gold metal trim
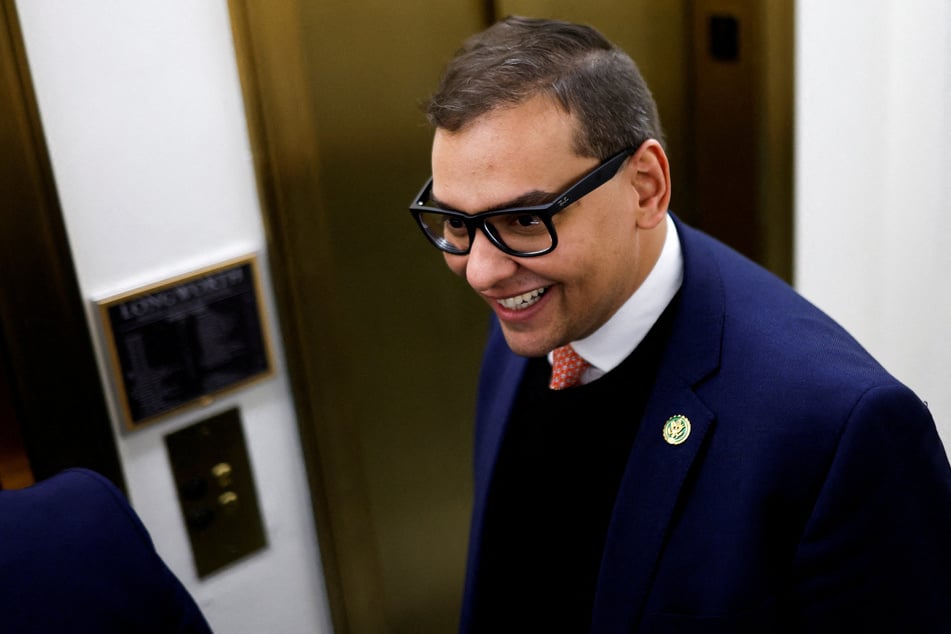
(202, 400)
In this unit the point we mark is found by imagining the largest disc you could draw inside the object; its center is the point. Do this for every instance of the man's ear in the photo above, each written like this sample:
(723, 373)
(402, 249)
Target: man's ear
(650, 173)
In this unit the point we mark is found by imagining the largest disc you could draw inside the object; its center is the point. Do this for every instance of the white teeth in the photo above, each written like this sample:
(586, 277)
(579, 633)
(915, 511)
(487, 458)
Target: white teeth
(520, 302)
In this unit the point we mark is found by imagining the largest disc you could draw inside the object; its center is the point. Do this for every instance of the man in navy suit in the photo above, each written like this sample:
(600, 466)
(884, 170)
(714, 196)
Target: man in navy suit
(74, 557)
(712, 453)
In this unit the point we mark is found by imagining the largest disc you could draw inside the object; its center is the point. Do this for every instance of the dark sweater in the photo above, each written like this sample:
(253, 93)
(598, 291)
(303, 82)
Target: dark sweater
(553, 491)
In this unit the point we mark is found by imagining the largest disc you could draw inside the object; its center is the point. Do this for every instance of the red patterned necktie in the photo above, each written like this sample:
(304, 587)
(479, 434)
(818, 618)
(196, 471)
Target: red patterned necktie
(567, 366)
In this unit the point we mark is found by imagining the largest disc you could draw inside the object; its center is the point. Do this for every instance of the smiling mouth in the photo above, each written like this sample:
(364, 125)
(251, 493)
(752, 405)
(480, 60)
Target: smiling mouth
(523, 301)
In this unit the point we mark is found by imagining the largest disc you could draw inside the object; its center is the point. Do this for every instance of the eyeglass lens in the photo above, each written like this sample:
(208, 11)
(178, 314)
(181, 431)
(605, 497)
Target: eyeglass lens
(519, 231)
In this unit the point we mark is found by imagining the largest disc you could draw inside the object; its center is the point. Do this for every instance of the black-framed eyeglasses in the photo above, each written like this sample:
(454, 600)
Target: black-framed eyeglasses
(519, 231)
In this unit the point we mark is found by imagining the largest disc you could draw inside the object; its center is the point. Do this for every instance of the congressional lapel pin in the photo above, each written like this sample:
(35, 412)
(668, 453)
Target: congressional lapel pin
(676, 429)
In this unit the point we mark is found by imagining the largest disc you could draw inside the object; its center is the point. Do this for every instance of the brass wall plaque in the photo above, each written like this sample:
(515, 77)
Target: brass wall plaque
(186, 340)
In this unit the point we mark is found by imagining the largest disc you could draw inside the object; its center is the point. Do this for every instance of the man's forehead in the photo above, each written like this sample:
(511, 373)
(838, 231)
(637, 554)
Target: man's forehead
(538, 120)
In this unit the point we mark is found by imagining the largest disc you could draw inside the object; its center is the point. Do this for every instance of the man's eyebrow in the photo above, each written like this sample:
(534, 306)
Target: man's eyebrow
(534, 198)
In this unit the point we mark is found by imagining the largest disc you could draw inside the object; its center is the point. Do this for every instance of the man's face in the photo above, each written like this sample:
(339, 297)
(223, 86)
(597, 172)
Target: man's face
(513, 154)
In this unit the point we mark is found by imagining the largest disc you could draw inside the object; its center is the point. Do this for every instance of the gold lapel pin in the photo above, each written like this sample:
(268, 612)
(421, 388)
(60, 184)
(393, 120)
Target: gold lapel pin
(676, 429)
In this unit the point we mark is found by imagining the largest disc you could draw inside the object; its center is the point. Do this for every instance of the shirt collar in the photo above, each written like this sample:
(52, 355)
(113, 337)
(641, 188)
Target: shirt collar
(610, 344)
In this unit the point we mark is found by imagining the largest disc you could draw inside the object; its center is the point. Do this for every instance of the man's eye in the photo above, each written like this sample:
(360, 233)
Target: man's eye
(526, 220)
(455, 225)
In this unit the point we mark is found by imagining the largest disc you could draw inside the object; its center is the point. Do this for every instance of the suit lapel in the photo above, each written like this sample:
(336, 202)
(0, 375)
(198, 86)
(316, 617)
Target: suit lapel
(649, 492)
(498, 385)
(657, 470)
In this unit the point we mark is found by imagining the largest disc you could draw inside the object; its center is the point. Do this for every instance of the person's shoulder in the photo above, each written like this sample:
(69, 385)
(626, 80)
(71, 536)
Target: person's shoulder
(75, 543)
(76, 480)
(77, 501)
(773, 337)
(93, 486)
(764, 311)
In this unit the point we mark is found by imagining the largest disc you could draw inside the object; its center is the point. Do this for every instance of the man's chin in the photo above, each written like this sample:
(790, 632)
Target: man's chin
(527, 344)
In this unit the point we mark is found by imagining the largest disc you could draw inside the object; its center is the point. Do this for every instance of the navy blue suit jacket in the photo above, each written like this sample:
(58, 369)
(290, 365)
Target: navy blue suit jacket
(75, 558)
(813, 493)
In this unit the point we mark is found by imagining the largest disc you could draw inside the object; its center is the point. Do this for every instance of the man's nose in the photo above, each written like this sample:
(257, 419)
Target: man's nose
(487, 265)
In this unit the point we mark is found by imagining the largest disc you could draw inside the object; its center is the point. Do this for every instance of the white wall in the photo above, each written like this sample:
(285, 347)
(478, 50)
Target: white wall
(873, 180)
(142, 110)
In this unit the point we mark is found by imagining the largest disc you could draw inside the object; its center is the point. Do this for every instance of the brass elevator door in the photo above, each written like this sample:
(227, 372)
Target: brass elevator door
(383, 343)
